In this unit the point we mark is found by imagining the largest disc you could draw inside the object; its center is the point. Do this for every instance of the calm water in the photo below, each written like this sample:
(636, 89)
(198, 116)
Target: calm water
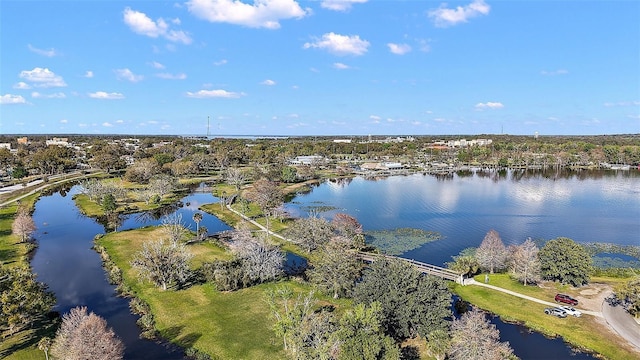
(65, 261)
(593, 207)
(596, 208)
(463, 208)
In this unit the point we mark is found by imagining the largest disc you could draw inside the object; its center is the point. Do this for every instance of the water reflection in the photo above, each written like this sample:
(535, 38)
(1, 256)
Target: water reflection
(65, 261)
(597, 206)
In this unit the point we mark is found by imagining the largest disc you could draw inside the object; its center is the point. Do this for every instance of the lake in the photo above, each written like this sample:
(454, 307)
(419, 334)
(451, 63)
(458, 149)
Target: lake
(597, 207)
(584, 206)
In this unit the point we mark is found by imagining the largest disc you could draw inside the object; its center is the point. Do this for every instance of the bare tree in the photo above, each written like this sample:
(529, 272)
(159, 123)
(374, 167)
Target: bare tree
(23, 225)
(310, 232)
(525, 264)
(173, 227)
(162, 184)
(235, 177)
(163, 264)
(267, 195)
(473, 337)
(492, 254)
(85, 335)
(263, 262)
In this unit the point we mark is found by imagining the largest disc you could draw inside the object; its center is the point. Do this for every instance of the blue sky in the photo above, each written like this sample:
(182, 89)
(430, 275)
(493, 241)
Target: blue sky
(324, 67)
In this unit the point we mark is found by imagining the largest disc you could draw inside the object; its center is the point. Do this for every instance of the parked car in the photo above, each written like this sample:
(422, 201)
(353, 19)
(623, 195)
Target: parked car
(564, 298)
(570, 310)
(555, 312)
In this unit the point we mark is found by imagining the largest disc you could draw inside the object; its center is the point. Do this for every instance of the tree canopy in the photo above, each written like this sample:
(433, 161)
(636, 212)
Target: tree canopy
(22, 298)
(412, 303)
(564, 260)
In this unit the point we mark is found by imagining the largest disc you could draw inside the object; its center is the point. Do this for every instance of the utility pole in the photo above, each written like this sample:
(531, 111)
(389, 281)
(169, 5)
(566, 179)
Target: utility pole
(207, 126)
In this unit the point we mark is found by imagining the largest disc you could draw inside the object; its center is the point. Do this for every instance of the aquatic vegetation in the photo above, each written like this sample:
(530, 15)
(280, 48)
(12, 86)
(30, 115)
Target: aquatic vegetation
(400, 240)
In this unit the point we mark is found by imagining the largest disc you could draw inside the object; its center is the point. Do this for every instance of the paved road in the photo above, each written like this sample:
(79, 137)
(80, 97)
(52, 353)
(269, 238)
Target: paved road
(43, 185)
(616, 317)
(622, 323)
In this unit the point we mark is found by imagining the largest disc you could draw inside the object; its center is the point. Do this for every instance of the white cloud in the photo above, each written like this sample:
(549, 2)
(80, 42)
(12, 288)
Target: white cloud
(37, 95)
(88, 74)
(106, 96)
(48, 53)
(22, 86)
(203, 94)
(156, 65)
(64, 121)
(220, 62)
(141, 24)
(261, 14)
(107, 124)
(341, 66)
(340, 44)
(268, 82)
(399, 49)
(40, 77)
(444, 17)
(489, 105)
(554, 72)
(340, 5)
(180, 76)
(12, 99)
(126, 74)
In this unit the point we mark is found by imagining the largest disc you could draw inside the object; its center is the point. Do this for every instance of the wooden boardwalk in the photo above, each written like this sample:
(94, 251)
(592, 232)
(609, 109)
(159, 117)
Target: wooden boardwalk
(424, 268)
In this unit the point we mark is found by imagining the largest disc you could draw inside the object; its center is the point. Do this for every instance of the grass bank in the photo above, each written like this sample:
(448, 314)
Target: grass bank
(225, 325)
(585, 333)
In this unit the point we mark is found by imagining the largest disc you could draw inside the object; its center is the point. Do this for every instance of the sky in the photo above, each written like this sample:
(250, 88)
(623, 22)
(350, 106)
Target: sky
(322, 67)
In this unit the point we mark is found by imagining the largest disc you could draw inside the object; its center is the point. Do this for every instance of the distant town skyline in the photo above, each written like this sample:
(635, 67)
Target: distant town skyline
(326, 67)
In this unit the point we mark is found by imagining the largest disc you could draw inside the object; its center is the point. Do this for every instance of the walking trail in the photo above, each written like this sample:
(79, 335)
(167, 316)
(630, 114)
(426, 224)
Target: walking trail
(620, 321)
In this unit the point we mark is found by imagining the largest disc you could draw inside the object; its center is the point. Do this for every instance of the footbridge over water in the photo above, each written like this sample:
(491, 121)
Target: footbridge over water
(424, 268)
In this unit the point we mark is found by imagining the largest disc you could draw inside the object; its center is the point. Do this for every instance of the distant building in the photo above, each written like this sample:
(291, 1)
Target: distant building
(381, 166)
(307, 160)
(58, 142)
(345, 141)
(22, 140)
(5, 146)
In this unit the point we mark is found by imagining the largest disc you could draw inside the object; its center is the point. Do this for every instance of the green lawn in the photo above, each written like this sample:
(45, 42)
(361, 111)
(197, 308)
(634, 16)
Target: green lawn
(226, 325)
(585, 332)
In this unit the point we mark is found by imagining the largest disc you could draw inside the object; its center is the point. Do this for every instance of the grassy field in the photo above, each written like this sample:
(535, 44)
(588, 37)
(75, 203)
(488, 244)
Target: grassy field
(583, 333)
(226, 325)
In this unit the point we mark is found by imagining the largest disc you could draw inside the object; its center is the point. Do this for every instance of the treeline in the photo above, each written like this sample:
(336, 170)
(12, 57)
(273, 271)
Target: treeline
(182, 156)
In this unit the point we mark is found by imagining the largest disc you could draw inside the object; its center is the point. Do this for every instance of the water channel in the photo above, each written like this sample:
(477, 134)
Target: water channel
(461, 208)
(65, 261)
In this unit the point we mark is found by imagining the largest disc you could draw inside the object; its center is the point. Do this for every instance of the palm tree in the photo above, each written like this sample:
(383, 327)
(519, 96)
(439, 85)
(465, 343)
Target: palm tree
(197, 217)
(45, 344)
